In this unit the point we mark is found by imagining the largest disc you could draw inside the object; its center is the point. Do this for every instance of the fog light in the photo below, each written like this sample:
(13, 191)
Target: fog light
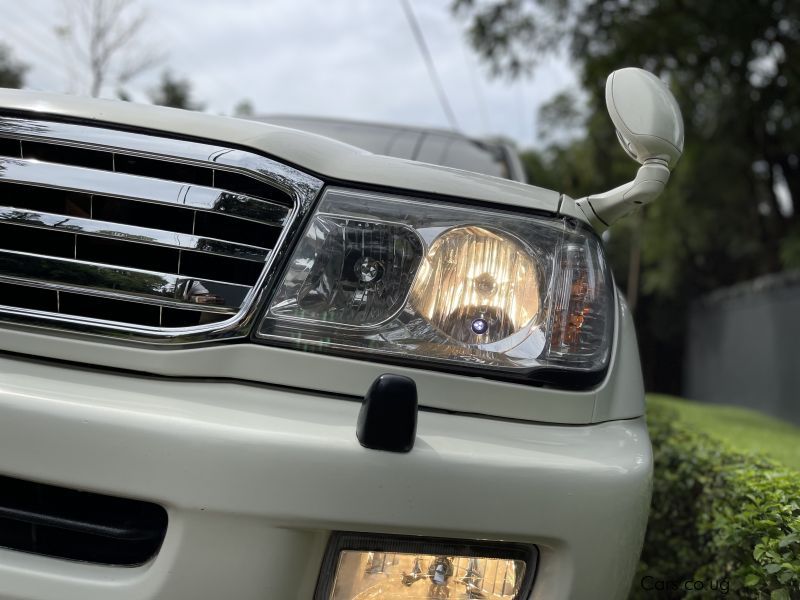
(361, 567)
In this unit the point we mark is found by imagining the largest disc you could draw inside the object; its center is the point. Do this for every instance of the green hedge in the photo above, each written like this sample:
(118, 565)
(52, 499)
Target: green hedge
(722, 524)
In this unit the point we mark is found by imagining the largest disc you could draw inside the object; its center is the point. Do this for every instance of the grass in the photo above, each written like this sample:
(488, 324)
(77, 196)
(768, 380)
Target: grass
(743, 429)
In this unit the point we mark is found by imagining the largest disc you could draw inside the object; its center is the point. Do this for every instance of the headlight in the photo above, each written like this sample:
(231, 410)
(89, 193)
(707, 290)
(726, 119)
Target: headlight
(445, 284)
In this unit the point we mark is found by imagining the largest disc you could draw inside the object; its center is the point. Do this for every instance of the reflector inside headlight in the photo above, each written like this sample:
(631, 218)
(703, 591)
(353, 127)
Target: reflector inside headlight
(392, 576)
(409, 568)
(433, 281)
(477, 286)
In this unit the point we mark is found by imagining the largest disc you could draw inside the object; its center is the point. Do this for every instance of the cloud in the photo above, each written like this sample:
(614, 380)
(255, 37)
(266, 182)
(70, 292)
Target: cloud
(355, 59)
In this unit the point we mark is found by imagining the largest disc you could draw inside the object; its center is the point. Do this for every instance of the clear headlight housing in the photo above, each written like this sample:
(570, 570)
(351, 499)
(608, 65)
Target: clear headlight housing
(359, 566)
(445, 284)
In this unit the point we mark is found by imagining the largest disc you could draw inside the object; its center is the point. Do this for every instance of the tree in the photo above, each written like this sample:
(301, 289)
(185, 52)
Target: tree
(12, 73)
(561, 118)
(730, 211)
(174, 92)
(244, 109)
(511, 34)
(104, 36)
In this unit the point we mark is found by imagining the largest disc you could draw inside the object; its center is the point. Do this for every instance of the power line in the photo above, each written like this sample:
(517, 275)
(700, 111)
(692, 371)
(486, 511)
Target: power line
(426, 55)
(477, 90)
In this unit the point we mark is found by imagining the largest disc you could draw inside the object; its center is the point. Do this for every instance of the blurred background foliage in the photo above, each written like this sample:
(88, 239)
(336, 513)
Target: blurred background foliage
(12, 73)
(727, 215)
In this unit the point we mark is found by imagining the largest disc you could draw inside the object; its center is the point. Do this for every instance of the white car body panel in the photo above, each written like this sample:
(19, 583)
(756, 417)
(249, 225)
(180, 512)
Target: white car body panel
(254, 477)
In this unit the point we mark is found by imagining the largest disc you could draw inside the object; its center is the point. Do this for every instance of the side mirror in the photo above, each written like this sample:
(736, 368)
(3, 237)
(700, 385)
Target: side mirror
(650, 128)
(647, 117)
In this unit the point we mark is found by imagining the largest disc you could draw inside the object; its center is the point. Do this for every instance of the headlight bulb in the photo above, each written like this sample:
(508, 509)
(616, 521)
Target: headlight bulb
(478, 286)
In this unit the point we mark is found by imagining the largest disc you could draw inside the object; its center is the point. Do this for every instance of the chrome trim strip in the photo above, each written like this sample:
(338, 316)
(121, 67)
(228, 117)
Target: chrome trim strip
(41, 322)
(302, 188)
(143, 189)
(119, 282)
(98, 136)
(95, 293)
(130, 233)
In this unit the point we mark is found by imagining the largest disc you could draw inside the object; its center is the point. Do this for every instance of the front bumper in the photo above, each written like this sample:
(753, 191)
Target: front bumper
(254, 479)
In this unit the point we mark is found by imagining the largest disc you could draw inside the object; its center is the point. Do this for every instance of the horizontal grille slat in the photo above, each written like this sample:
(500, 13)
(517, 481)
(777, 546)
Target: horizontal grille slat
(106, 308)
(148, 167)
(145, 189)
(17, 237)
(10, 147)
(131, 233)
(37, 198)
(103, 279)
(158, 168)
(139, 236)
(79, 157)
(31, 298)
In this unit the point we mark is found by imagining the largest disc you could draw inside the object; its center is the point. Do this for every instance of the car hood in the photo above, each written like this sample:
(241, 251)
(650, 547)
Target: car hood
(326, 158)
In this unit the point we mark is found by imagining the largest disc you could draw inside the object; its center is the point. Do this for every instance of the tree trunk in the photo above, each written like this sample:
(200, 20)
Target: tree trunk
(635, 260)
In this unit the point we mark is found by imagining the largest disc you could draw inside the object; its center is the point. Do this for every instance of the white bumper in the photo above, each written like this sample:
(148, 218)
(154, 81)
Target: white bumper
(254, 478)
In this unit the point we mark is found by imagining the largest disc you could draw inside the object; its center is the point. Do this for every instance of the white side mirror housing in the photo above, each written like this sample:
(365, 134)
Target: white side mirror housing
(647, 117)
(650, 128)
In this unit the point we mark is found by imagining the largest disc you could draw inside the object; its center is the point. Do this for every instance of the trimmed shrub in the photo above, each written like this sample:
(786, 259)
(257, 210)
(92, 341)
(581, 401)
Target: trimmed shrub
(722, 523)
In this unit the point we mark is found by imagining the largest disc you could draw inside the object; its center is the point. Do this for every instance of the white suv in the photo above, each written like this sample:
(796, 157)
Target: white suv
(239, 360)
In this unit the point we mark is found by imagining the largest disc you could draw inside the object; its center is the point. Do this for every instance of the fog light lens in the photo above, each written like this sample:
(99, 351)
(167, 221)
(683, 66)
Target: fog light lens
(406, 568)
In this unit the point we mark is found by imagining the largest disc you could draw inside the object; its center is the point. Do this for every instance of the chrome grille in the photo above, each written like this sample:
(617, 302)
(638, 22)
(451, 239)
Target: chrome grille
(138, 235)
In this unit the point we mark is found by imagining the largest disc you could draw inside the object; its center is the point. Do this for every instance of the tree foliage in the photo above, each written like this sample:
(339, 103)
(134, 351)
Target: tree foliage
(719, 516)
(244, 109)
(12, 73)
(510, 34)
(728, 212)
(105, 37)
(175, 92)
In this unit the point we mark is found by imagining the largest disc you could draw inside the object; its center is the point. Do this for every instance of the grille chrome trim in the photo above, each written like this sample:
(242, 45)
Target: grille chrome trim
(124, 283)
(296, 183)
(131, 233)
(21, 266)
(134, 187)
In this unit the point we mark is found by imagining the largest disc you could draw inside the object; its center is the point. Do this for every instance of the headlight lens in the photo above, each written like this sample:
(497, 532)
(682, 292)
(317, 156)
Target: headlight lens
(437, 282)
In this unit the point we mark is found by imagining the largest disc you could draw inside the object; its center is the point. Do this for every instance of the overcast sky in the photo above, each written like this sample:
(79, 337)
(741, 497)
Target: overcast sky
(342, 58)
